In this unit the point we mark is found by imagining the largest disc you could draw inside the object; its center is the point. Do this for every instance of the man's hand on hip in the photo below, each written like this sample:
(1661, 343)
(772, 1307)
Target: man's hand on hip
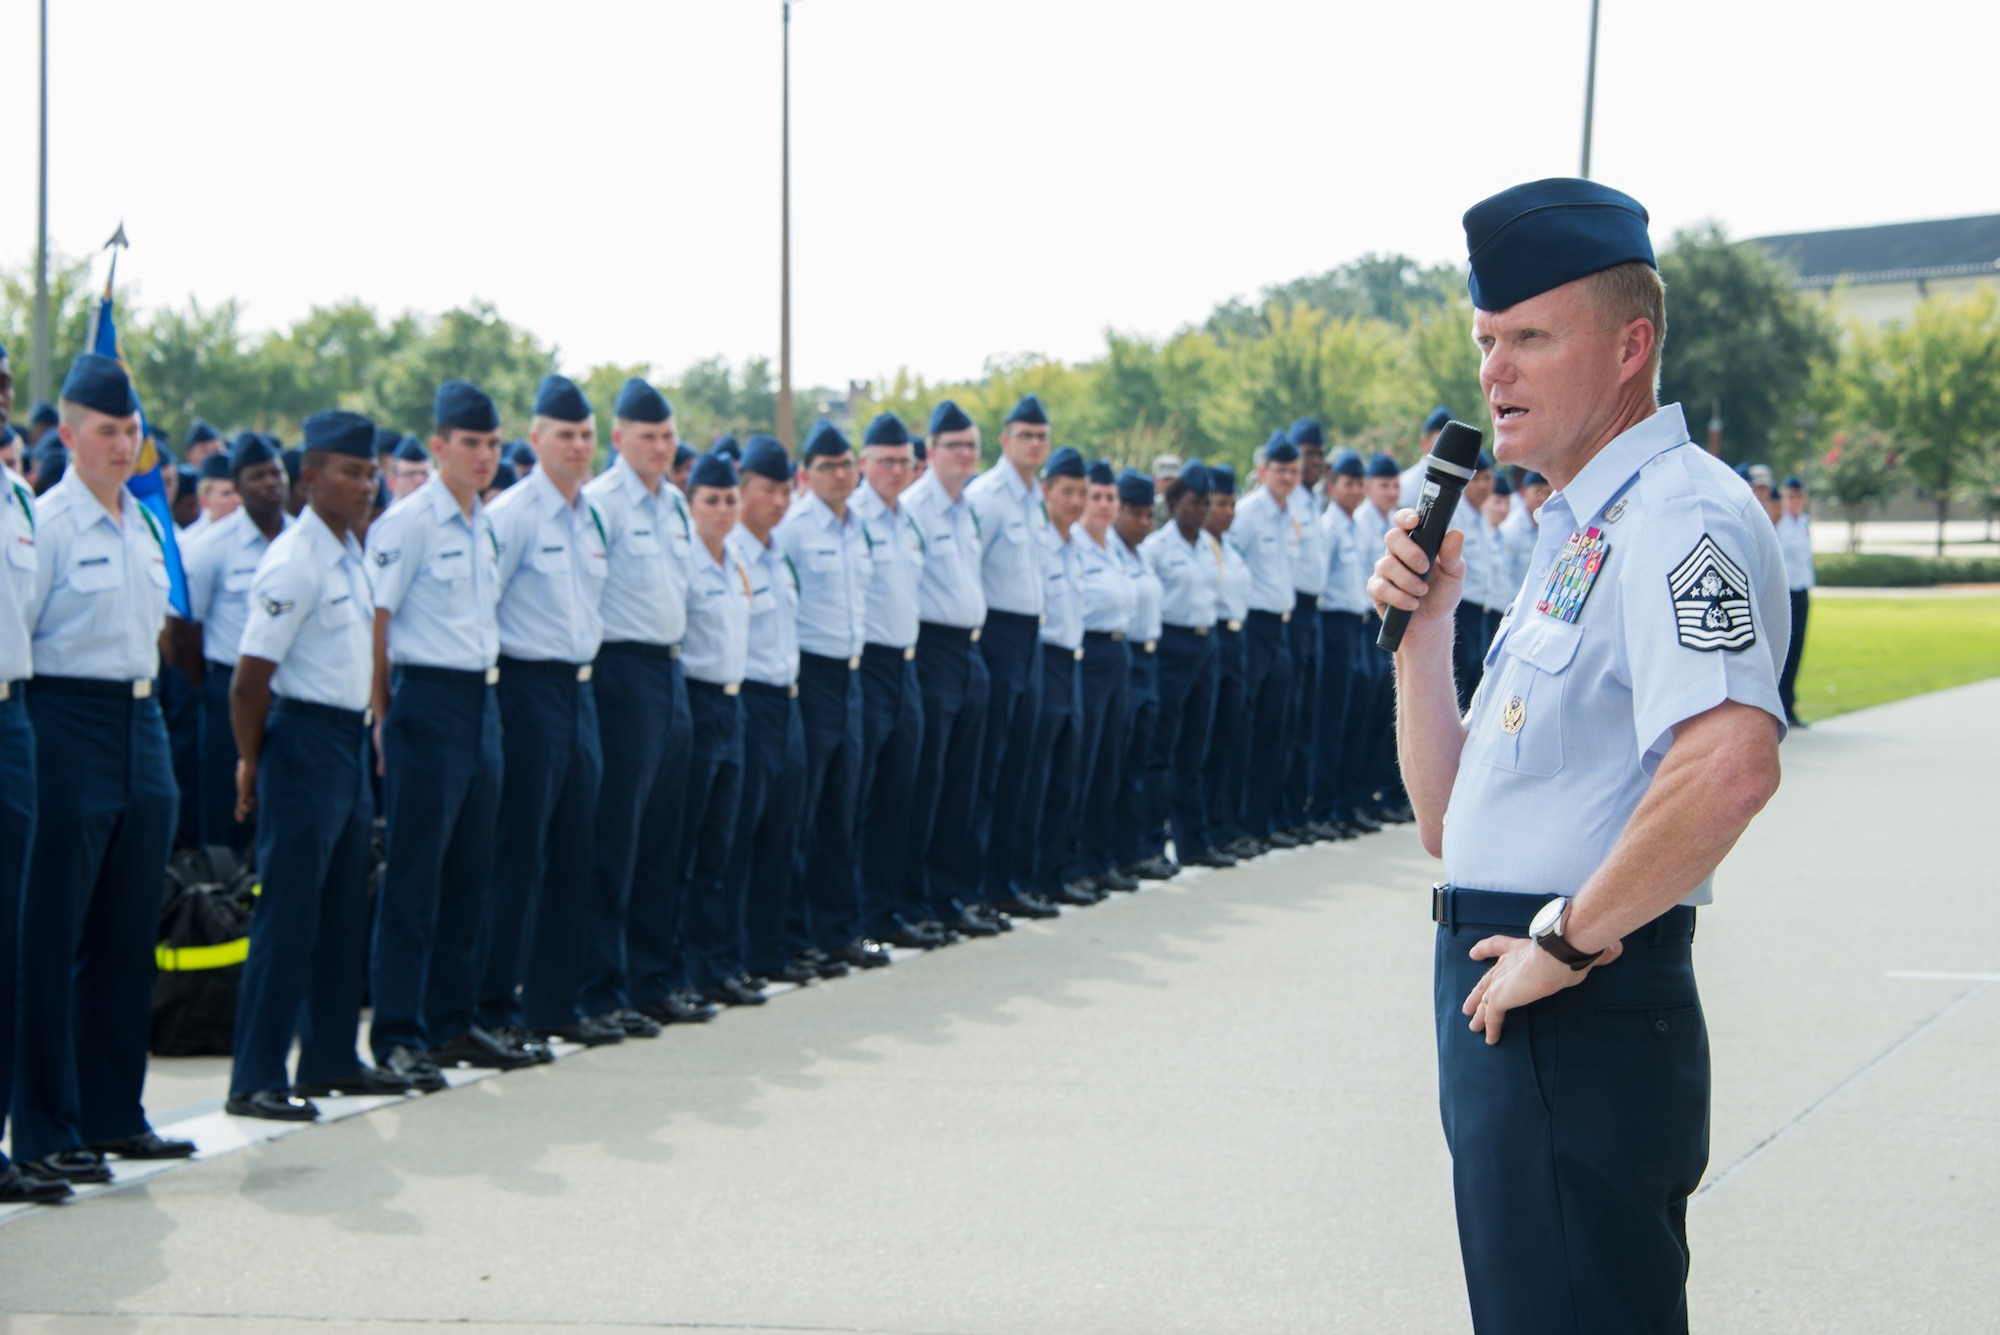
(1523, 973)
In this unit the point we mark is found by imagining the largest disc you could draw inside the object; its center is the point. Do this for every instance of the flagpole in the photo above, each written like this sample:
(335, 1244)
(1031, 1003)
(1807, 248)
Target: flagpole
(787, 423)
(39, 379)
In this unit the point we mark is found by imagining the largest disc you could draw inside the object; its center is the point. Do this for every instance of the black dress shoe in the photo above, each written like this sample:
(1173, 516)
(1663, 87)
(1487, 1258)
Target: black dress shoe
(863, 953)
(478, 1048)
(1364, 822)
(1027, 904)
(1329, 831)
(591, 1032)
(363, 1080)
(800, 971)
(634, 1024)
(1079, 893)
(145, 1145)
(521, 1040)
(994, 914)
(972, 924)
(19, 1188)
(84, 1166)
(1245, 848)
(415, 1065)
(274, 1105)
(1280, 839)
(679, 1007)
(1209, 857)
(1156, 868)
(940, 934)
(1398, 814)
(1117, 880)
(909, 937)
(733, 992)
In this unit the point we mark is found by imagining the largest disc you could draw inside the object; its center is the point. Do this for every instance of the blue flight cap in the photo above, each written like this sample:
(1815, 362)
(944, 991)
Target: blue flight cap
(51, 462)
(712, 470)
(1348, 464)
(1135, 488)
(1501, 486)
(199, 433)
(248, 450)
(341, 433)
(45, 414)
(1221, 479)
(1743, 471)
(1306, 431)
(277, 446)
(1793, 482)
(947, 416)
(1063, 462)
(559, 398)
(726, 446)
(640, 402)
(463, 406)
(1533, 480)
(1279, 449)
(519, 453)
(410, 450)
(295, 462)
(1100, 475)
(383, 500)
(917, 448)
(766, 456)
(101, 385)
(6, 435)
(186, 484)
(886, 429)
(683, 454)
(1195, 473)
(504, 476)
(1483, 462)
(386, 441)
(1526, 240)
(825, 441)
(1435, 422)
(216, 466)
(1029, 410)
(1382, 465)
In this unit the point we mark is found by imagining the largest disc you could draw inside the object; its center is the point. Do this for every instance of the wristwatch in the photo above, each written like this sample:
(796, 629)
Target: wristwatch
(1547, 930)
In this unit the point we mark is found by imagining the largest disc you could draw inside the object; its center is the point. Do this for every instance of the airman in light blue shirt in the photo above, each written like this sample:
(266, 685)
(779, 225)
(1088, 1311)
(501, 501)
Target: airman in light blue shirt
(832, 555)
(314, 616)
(1262, 537)
(552, 572)
(1062, 592)
(774, 588)
(100, 586)
(220, 569)
(17, 575)
(1190, 575)
(649, 543)
(900, 551)
(717, 641)
(1013, 526)
(437, 575)
(950, 591)
(1110, 590)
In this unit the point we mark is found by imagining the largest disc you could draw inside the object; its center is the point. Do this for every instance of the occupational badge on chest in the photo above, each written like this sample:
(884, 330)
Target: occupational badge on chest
(1574, 572)
(1711, 600)
(1512, 715)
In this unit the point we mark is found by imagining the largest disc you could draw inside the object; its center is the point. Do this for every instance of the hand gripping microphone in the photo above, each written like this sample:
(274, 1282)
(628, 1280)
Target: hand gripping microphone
(1448, 467)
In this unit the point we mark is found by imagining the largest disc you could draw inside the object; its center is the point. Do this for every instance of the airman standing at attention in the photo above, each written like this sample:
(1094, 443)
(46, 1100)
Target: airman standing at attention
(1110, 602)
(1308, 557)
(1226, 772)
(1058, 743)
(1343, 644)
(1263, 534)
(1135, 830)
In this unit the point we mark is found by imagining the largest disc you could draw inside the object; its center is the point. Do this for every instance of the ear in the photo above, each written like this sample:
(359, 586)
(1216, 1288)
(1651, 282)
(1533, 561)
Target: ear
(1636, 350)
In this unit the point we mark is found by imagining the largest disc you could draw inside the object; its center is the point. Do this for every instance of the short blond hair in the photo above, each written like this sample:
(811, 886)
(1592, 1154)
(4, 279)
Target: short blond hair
(1634, 291)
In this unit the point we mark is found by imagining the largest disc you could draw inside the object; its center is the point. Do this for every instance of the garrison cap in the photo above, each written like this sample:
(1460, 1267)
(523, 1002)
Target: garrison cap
(726, 446)
(51, 462)
(248, 450)
(519, 453)
(410, 450)
(1221, 479)
(1348, 464)
(683, 454)
(1435, 422)
(294, 461)
(947, 416)
(1483, 463)
(1501, 486)
(766, 456)
(1793, 482)
(1743, 471)
(216, 466)
(1382, 465)
(1280, 450)
(1306, 431)
(559, 398)
(186, 484)
(1029, 410)
(886, 429)
(341, 433)
(1195, 473)
(199, 433)
(45, 414)
(1135, 488)
(712, 470)
(463, 406)
(504, 476)
(1528, 239)
(1533, 479)
(640, 402)
(1760, 475)
(1100, 475)
(101, 385)
(1064, 462)
(825, 440)
(386, 441)
(917, 447)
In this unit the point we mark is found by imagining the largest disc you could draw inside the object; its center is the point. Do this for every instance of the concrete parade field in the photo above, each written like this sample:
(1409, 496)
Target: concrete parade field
(1209, 1107)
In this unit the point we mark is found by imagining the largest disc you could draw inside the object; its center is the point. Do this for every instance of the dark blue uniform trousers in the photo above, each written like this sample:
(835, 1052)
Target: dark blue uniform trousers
(1180, 743)
(1225, 774)
(892, 736)
(316, 815)
(826, 905)
(714, 795)
(1295, 794)
(531, 940)
(17, 830)
(1381, 772)
(1058, 754)
(1267, 694)
(217, 784)
(441, 793)
(90, 914)
(1008, 787)
(1336, 724)
(1577, 1139)
(181, 706)
(944, 869)
(644, 730)
(1107, 688)
(748, 927)
(1140, 833)
(1472, 634)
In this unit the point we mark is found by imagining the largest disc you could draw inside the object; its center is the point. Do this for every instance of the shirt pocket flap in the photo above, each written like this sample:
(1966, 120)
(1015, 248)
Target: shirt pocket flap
(1544, 642)
(21, 555)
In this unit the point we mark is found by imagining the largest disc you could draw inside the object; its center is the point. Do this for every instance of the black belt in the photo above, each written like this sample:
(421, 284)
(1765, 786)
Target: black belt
(957, 634)
(353, 718)
(826, 663)
(696, 687)
(1452, 905)
(1258, 613)
(1305, 602)
(1018, 620)
(215, 665)
(889, 651)
(547, 667)
(640, 649)
(1189, 630)
(1105, 636)
(444, 676)
(95, 687)
(771, 692)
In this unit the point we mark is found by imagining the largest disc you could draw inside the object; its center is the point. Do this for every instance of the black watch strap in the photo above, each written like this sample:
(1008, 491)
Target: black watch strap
(1552, 941)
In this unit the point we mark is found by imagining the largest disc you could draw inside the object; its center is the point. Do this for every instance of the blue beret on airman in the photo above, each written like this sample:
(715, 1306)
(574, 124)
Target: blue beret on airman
(640, 402)
(1135, 488)
(947, 416)
(1195, 473)
(1306, 431)
(1532, 479)
(1348, 464)
(559, 398)
(712, 470)
(101, 385)
(411, 451)
(1100, 475)
(1280, 450)
(1064, 462)
(825, 441)
(1221, 479)
(886, 429)
(462, 406)
(198, 433)
(341, 433)
(766, 456)
(683, 454)
(504, 476)
(45, 414)
(726, 446)
(1029, 410)
(1435, 422)
(249, 449)
(216, 466)
(1526, 240)
(1382, 465)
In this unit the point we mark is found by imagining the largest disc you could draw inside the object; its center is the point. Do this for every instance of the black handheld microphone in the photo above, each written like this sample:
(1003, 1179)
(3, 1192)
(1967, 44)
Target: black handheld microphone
(1453, 459)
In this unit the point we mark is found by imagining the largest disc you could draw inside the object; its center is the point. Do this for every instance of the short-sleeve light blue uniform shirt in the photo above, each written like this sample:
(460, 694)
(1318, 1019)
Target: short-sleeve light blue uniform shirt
(1146, 593)
(1062, 590)
(718, 617)
(1345, 588)
(219, 570)
(1109, 597)
(437, 575)
(17, 575)
(100, 586)
(1190, 575)
(950, 592)
(899, 552)
(553, 565)
(648, 545)
(1013, 528)
(774, 608)
(312, 613)
(832, 559)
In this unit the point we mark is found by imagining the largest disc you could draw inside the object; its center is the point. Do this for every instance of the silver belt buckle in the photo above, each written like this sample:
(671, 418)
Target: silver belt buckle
(492, 676)
(583, 673)
(1201, 630)
(142, 689)
(1042, 620)
(1117, 635)
(909, 653)
(673, 651)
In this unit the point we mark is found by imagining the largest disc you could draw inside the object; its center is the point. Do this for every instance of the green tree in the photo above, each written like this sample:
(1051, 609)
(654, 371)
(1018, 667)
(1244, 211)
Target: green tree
(470, 344)
(1859, 472)
(1445, 362)
(1390, 288)
(72, 301)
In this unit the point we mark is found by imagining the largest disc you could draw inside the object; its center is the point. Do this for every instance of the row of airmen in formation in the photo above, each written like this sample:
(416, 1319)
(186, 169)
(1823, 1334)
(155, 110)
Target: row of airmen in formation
(642, 749)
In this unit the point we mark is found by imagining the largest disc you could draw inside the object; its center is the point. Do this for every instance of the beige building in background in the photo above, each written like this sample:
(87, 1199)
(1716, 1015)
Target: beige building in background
(1877, 274)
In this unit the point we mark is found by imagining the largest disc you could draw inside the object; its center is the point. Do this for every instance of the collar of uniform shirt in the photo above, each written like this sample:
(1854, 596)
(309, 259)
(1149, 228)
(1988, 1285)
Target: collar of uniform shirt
(811, 509)
(868, 504)
(1624, 455)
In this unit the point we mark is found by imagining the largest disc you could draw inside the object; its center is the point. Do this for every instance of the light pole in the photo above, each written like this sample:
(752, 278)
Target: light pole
(1589, 91)
(38, 382)
(787, 424)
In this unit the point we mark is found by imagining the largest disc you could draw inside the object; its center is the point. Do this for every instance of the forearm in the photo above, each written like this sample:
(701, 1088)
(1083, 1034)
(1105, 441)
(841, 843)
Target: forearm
(379, 692)
(249, 705)
(1429, 735)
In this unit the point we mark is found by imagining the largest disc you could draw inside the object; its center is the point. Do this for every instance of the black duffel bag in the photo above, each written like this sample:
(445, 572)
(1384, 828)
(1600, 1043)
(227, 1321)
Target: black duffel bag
(204, 939)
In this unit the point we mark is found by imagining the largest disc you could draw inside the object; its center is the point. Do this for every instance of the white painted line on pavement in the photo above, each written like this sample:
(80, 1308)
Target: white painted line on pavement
(1921, 976)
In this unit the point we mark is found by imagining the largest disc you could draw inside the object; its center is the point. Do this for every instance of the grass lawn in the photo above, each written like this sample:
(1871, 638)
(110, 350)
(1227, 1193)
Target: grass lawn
(1869, 651)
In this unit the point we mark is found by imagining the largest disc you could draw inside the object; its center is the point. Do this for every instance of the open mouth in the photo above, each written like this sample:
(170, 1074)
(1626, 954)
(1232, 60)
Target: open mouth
(1507, 411)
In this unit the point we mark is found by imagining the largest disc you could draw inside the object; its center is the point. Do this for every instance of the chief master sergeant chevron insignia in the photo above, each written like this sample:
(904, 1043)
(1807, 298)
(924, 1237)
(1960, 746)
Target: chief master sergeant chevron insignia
(1712, 600)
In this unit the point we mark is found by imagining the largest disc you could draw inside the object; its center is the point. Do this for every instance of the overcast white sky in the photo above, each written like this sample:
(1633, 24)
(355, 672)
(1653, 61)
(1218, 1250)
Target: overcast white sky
(970, 177)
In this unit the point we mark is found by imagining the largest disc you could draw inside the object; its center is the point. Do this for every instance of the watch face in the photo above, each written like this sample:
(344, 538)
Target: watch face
(1545, 921)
